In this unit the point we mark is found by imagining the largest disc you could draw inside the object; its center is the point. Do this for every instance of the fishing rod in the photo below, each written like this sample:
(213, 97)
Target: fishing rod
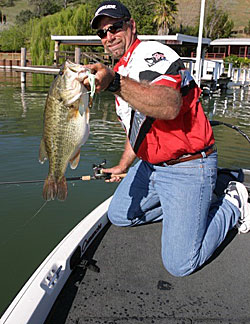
(97, 170)
(216, 123)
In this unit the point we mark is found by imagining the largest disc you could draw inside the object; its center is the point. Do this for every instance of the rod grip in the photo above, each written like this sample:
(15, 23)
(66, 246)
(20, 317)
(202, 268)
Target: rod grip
(86, 178)
(121, 175)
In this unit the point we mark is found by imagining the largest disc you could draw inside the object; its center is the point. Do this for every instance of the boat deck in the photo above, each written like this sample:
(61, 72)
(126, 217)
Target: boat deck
(133, 286)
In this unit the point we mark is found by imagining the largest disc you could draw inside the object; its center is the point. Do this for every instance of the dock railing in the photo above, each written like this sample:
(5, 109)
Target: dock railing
(213, 72)
(86, 57)
(21, 62)
(217, 74)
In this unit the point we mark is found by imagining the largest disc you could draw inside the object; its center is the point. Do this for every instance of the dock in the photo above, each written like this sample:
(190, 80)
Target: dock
(37, 69)
(214, 74)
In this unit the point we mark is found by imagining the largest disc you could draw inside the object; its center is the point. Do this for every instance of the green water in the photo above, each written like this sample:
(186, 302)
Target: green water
(27, 235)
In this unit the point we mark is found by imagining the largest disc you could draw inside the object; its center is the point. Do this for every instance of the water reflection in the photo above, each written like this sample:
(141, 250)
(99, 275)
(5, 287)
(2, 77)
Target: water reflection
(232, 107)
(23, 101)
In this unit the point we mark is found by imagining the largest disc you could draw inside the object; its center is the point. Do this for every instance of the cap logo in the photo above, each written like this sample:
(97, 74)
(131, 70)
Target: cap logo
(105, 7)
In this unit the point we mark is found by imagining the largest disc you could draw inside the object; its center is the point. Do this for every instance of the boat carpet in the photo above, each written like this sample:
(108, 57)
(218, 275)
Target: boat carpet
(133, 286)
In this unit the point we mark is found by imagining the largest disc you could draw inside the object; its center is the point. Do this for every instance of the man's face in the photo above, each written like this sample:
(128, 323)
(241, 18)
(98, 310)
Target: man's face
(119, 41)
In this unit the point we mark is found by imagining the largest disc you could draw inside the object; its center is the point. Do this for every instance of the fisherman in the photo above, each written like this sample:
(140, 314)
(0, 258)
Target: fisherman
(157, 102)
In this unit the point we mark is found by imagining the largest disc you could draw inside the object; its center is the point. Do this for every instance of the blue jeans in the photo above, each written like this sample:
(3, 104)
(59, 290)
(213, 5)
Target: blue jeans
(180, 195)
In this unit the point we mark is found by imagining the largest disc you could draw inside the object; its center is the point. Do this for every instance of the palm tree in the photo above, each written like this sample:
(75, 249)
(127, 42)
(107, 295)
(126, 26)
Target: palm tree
(165, 12)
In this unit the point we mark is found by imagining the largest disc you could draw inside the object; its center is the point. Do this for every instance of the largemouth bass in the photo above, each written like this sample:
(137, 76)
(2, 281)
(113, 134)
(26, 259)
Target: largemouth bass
(65, 127)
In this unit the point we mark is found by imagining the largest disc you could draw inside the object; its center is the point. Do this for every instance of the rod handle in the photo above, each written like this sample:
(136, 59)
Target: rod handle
(86, 178)
(121, 175)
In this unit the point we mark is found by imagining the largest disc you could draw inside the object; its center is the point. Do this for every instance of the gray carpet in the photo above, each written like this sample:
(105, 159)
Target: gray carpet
(133, 286)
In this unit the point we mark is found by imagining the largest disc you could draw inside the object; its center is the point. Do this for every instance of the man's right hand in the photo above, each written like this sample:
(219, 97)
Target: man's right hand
(103, 76)
(117, 173)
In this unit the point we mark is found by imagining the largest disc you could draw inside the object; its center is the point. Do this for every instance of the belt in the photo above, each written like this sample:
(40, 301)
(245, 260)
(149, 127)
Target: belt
(199, 155)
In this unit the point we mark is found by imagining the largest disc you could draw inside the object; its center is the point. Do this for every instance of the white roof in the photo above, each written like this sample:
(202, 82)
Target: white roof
(178, 38)
(231, 41)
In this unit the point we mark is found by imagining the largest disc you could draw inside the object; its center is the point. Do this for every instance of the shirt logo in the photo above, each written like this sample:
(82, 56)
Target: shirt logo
(156, 57)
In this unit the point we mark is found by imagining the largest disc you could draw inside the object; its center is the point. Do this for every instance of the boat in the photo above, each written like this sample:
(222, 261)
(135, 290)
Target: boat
(34, 301)
(100, 273)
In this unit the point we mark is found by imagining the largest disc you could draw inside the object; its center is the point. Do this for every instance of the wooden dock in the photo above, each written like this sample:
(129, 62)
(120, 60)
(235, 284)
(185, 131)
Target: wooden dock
(21, 61)
(37, 69)
(214, 75)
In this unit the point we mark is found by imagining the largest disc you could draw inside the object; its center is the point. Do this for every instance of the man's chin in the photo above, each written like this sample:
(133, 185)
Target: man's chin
(116, 53)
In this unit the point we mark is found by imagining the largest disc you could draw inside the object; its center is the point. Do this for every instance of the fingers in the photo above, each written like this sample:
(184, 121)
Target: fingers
(103, 76)
(94, 68)
(116, 174)
(114, 178)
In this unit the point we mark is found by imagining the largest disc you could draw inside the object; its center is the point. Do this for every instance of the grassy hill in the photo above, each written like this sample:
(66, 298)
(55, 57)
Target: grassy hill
(188, 11)
(238, 10)
(11, 12)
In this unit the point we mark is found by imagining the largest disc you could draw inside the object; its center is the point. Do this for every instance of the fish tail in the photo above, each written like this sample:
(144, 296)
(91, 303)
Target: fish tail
(50, 188)
(55, 188)
(62, 189)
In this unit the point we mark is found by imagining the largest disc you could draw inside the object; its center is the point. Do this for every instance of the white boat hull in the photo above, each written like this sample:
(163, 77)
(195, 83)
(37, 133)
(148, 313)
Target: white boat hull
(35, 300)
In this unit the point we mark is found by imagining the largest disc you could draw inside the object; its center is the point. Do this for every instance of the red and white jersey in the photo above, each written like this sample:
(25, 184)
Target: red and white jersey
(156, 140)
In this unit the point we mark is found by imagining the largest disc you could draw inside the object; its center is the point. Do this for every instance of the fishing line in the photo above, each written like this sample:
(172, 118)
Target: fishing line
(216, 123)
(34, 181)
(19, 182)
(24, 225)
(212, 122)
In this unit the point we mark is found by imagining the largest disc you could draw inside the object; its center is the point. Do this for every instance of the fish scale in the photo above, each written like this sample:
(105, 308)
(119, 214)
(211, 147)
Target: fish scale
(66, 128)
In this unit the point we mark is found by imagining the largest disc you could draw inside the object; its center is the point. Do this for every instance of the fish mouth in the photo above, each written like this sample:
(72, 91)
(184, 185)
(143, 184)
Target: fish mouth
(76, 68)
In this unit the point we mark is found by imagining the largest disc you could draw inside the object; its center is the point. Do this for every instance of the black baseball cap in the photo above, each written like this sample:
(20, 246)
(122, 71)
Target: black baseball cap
(112, 8)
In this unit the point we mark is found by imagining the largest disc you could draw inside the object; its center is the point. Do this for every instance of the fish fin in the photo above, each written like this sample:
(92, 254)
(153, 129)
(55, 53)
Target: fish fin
(43, 156)
(75, 160)
(81, 110)
(49, 188)
(53, 188)
(62, 190)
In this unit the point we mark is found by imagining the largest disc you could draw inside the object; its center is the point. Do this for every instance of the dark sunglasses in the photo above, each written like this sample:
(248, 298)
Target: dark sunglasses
(112, 29)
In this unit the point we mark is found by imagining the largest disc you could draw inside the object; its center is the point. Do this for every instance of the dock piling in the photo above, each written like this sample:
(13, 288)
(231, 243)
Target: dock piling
(23, 64)
(77, 55)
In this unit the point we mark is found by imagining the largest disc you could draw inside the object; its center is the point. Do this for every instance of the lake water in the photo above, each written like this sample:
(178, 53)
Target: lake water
(29, 228)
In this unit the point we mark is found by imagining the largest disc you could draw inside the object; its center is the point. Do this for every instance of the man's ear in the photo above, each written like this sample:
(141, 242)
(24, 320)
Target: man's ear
(133, 25)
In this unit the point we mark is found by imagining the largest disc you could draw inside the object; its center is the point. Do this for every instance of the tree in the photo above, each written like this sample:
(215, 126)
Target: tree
(24, 16)
(247, 28)
(217, 23)
(6, 3)
(140, 11)
(12, 39)
(65, 3)
(66, 22)
(45, 7)
(165, 12)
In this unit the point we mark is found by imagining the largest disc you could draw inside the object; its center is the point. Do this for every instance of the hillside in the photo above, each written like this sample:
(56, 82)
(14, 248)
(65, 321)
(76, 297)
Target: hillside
(238, 10)
(188, 11)
(11, 12)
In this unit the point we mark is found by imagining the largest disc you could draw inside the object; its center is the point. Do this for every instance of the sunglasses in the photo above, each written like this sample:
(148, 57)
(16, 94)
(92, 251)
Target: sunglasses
(112, 29)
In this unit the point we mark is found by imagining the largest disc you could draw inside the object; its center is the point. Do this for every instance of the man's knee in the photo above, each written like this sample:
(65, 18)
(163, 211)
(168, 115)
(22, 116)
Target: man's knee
(117, 215)
(177, 267)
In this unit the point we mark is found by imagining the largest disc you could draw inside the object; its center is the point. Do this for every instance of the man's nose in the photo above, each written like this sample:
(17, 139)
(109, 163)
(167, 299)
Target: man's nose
(110, 36)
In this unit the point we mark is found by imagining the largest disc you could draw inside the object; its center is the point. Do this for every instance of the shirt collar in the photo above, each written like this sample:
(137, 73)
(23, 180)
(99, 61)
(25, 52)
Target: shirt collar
(126, 57)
